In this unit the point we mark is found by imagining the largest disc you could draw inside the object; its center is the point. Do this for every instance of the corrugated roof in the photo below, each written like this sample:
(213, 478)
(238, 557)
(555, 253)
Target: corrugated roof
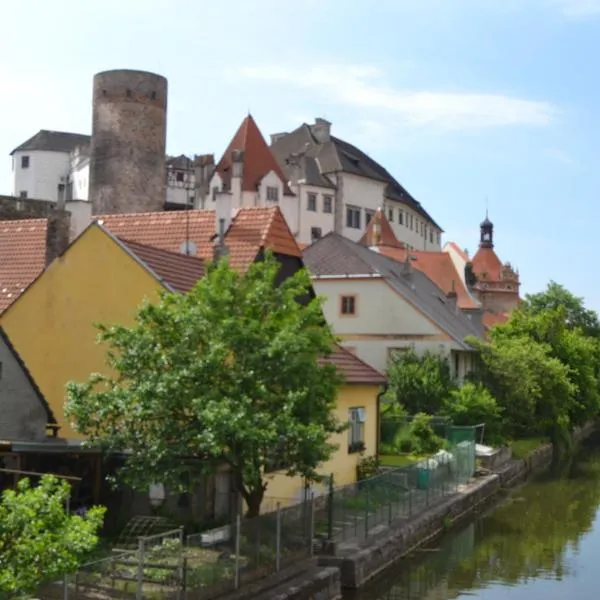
(179, 271)
(53, 141)
(22, 256)
(353, 369)
(258, 158)
(251, 229)
(336, 255)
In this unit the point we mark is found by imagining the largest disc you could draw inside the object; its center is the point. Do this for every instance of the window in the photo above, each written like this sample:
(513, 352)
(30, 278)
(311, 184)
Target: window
(327, 204)
(401, 217)
(348, 305)
(215, 191)
(179, 176)
(24, 162)
(311, 202)
(412, 222)
(356, 431)
(369, 214)
(353, 217)
(315, 233)
(431, 235)
(272, 194)
(23, 194)
(439, 238)
(391, 215)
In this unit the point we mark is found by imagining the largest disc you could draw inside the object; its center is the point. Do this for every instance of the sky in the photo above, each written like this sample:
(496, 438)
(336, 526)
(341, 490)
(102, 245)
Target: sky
(470, 104)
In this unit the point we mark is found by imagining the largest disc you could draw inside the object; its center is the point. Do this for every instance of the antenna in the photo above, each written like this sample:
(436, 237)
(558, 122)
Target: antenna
(486, 207)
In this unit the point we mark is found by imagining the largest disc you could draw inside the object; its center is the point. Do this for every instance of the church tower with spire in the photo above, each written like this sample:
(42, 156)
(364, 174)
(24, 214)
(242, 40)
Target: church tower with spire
(497, 284)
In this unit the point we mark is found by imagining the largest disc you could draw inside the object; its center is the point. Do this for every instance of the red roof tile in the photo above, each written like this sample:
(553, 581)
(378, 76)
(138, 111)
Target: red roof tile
(487, 265)
(353, 368)
(250, 229)
(258, 158)
(22, 256)
(178, 271)
(490, 318)
(386, 234)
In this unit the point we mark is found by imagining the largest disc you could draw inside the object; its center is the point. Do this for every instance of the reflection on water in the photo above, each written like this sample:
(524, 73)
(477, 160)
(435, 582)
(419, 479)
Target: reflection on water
(543, 542)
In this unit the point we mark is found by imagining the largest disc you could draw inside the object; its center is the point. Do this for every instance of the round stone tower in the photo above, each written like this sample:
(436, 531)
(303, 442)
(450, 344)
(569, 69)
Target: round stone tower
(129, 129)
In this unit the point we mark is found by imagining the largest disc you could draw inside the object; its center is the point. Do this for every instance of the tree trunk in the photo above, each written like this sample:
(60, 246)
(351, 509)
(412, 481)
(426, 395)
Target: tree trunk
(253, 500)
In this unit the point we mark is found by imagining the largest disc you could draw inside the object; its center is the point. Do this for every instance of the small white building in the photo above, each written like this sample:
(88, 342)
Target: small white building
(378, 306)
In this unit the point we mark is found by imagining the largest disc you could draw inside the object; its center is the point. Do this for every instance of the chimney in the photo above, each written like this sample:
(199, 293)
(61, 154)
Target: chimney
(277, 136)
(60, 203)
(220, 250)
(452, 296)
(321, 130)
(57, 234)
(204, 167)
(237, 173)
(407, 268)
(224, 206)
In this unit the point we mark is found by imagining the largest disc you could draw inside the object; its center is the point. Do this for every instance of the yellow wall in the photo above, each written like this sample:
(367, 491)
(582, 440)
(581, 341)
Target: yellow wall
(289, 490)
(52, 324)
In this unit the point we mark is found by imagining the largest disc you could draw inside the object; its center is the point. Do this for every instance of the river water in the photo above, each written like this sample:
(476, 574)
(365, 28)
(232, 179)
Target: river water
(542, 542)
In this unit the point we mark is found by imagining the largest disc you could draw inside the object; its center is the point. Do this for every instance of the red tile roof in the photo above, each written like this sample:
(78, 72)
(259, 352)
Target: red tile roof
(178, 271)
(487, 265)
(353, 368)
(490, 318)
(387, 237)
(22, 256)
(251, 229)
(258, 158)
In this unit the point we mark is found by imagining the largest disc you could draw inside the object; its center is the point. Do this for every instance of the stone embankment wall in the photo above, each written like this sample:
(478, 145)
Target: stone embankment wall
(360, 563)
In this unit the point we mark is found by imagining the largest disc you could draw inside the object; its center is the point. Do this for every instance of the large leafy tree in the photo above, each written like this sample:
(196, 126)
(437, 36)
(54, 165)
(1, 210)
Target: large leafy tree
(231, 372)
(39, 540)
(419, 383)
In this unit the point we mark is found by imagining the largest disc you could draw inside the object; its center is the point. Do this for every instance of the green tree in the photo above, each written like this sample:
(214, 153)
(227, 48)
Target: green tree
(419, 383)
(576, 314)
(472, 404)
(231, 372)
(39, 541)
(532, 388)
(424, 438)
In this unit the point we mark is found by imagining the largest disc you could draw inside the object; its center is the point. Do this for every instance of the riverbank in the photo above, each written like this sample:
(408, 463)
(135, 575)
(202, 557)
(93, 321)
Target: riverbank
(359, 562)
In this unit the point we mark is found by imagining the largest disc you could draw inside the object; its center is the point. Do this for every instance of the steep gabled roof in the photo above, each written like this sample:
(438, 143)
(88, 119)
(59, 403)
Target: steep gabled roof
(337, 255)
(258, 158)
(339, 155)
(178, 271)
(487, 265)
(53, 141)
(22, 256)
(353, 369)
(251, 230)
(385, 236)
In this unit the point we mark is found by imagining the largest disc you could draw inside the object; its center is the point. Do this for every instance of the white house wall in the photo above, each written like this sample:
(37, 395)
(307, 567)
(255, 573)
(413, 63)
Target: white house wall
(363, 193)
(41, 179)
(80, 178)
(384, 321)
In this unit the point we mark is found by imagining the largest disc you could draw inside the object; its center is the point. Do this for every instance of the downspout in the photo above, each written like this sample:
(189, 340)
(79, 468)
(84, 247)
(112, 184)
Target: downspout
(379, 397)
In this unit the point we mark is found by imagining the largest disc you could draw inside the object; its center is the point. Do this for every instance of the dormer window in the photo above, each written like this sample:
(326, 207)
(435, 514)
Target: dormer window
(272, 194)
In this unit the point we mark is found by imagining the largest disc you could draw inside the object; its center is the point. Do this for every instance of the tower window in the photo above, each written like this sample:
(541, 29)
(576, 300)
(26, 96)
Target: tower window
(311, 202)
(327, 204)
(400, 217)
(272, 194)
(391, 215)
(24, 162)
(353, 217)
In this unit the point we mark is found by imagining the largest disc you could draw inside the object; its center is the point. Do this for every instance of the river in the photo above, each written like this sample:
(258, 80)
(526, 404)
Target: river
(542, 542)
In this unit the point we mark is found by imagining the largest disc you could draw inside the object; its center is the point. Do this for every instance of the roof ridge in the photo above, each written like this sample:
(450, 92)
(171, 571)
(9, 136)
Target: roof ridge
(189, 257)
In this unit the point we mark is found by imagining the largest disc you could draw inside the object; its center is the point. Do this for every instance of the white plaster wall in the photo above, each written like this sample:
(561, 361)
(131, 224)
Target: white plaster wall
(413, 236)
(271, 179)
(366, 194)
(457, 259)
(310, 219)
(81, 213)
(41, 179)
(80, 177)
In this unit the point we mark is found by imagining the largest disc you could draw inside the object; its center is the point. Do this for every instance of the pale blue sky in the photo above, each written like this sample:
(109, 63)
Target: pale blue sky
(459, 99)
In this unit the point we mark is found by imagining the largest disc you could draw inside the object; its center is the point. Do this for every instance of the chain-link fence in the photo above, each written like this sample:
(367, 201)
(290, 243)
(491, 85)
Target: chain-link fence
(353, 511)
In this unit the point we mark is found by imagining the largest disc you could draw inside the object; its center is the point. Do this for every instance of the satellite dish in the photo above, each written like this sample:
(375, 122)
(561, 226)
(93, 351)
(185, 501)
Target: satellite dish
(188, 247)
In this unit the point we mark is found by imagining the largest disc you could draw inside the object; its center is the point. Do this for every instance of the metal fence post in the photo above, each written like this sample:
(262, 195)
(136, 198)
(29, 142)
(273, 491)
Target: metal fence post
(367, 514)
(311, 531)
(140, 570)
(278, 539)
(238, 527)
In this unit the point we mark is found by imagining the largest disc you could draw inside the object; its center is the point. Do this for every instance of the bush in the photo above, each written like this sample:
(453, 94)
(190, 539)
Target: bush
(406, 445)
(472, 404)
(425, 441)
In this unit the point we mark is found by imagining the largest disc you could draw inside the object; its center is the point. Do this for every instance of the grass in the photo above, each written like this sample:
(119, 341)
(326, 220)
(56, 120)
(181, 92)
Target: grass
(523, 448)
(399, 460)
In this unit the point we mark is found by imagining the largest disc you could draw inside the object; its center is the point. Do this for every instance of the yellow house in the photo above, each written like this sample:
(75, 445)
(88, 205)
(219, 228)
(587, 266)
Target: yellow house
(357, 404)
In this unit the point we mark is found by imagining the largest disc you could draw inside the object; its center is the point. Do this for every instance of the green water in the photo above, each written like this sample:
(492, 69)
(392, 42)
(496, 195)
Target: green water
(540, 543)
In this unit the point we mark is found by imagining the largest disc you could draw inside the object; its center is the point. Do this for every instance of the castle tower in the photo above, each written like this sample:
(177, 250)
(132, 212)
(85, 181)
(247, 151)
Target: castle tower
(129, 127)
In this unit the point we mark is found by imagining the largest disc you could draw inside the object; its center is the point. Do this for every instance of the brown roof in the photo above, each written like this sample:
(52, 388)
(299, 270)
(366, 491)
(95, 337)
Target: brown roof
(353, 368)
(179, 271)
(22, 256)
(386, 234)
(258, 158)
(251, 229)
(487, 265)
(438, 266)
